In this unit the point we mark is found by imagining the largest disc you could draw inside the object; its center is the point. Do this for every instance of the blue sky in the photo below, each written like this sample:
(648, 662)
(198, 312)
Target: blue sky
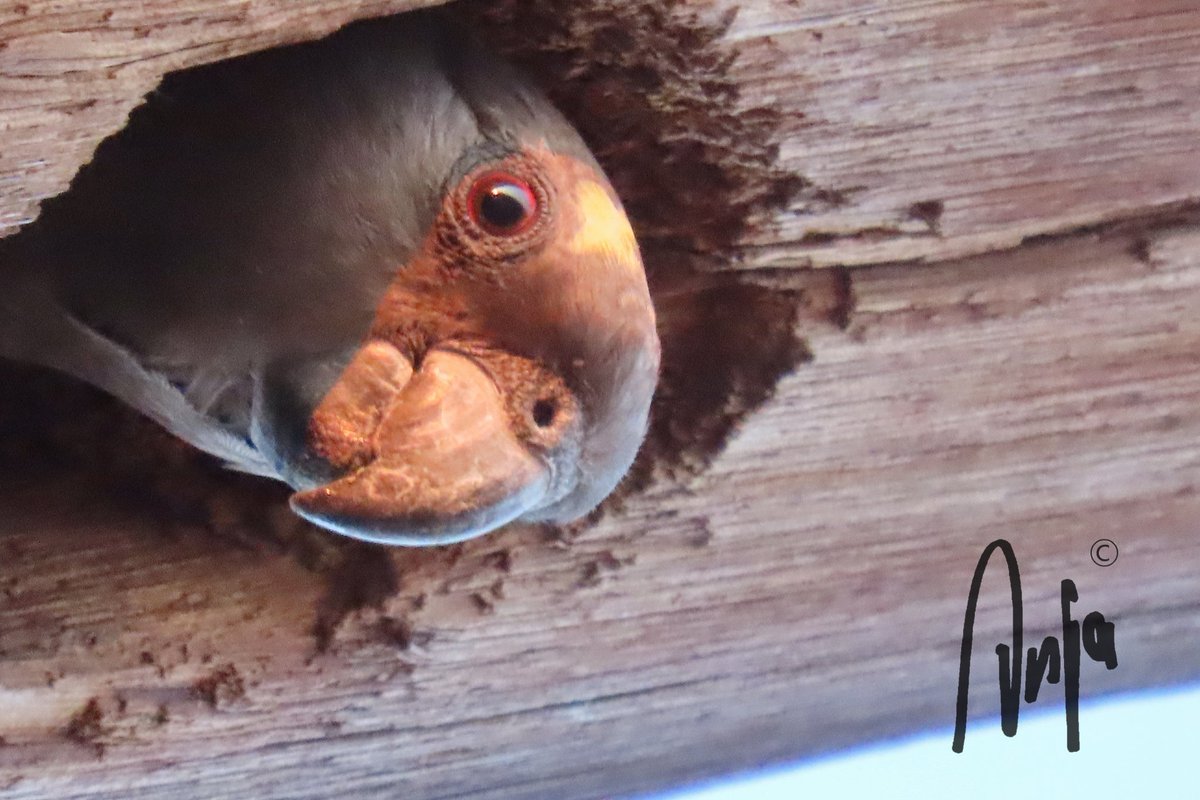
(1140, 745)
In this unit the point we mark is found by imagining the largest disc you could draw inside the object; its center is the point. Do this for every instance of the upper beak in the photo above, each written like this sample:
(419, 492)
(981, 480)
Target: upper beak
(432, 455)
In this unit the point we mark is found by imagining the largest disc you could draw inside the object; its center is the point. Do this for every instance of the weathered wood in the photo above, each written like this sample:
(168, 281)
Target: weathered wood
(927, 130)
(807, 590)
(937, 129)
(70, 72)
(805, 593)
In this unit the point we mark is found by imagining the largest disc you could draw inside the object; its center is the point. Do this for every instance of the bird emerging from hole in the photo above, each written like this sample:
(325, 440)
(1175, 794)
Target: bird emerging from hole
(380, 268)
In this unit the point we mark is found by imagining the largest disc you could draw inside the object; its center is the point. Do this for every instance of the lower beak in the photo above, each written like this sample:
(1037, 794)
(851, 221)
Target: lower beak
(441, 462)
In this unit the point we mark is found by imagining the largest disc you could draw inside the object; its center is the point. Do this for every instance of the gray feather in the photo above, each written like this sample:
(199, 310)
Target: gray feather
(253, 212)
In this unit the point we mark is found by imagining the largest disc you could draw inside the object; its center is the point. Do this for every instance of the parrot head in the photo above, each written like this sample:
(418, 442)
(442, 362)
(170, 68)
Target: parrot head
(509, 367)
(381, 268)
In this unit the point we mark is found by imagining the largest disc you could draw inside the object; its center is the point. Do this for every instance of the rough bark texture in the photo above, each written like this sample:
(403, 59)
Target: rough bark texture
(1006, 344)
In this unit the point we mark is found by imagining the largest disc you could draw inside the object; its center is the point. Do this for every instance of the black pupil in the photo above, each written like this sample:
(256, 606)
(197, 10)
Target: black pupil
(505, 206)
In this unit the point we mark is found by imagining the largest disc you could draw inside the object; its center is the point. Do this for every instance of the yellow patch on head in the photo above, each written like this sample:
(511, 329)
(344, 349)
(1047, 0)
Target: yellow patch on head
(603, 226)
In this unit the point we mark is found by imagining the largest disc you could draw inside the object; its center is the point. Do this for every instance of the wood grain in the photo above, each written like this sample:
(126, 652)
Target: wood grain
(1014, 351)
(935, 129)
(804, 594)
(927, 129)
(70, 72)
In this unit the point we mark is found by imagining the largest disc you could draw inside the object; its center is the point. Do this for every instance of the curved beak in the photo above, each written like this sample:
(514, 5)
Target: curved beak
(433, 460)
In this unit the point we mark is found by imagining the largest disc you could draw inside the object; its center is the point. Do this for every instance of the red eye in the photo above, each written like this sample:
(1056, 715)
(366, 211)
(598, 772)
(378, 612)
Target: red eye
(502, 205)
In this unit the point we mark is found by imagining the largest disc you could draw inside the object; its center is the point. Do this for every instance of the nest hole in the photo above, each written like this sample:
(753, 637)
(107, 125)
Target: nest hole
(651, 87)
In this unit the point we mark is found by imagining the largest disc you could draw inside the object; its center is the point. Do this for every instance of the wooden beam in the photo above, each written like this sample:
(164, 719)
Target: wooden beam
(169, 629)
(805, 593)
(931, 130)
(70, 72)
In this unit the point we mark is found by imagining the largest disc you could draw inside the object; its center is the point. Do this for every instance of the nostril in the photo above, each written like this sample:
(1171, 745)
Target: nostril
(544, 411)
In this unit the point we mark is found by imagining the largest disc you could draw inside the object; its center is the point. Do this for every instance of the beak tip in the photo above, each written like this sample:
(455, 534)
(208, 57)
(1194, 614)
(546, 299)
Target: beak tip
(314, 506)
(306, 503)
(326, 507)
(343, 513)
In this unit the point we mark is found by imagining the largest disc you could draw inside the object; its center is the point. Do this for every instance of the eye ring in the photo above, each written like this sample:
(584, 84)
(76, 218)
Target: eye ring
(503, 205)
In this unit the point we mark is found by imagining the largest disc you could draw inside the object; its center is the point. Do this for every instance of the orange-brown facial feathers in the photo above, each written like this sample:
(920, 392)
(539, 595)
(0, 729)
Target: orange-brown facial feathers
(531, 274)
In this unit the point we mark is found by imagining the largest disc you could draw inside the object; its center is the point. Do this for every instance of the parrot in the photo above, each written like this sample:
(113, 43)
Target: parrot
(380, 268)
